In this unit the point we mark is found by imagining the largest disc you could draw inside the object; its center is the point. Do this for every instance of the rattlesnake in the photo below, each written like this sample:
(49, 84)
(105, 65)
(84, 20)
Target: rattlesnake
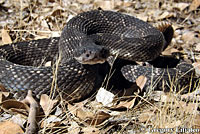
(128, 37)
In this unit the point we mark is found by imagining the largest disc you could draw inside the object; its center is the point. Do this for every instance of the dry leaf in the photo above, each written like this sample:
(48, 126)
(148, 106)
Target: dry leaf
(8, 127)
(87, 116)
(141, 81)
(3, 96)
(78, 111)
(97, 118)
(124, 104)
(50, 122)
(181, 6)
(8, 104)
(130, 101)
(47, 103)
(15, 106)
(194, 5)
(5, 37)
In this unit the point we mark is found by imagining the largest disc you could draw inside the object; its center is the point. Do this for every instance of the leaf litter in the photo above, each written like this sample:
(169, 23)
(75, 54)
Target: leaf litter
(27, 20)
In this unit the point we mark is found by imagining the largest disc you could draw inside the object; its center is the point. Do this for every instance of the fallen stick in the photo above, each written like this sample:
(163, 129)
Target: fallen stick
(31, 127)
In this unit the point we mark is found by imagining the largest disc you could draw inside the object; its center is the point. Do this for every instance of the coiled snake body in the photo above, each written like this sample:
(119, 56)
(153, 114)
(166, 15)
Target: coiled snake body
(127, 36)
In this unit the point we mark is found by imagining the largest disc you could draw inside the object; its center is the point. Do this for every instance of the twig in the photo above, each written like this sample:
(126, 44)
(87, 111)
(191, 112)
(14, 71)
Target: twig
(31, 127)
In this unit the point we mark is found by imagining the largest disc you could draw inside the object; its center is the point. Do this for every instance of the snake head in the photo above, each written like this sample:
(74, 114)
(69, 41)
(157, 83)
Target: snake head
(91, 54)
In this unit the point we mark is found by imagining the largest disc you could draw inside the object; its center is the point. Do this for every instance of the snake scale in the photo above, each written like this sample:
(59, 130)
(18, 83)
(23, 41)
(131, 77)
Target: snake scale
(21, 67)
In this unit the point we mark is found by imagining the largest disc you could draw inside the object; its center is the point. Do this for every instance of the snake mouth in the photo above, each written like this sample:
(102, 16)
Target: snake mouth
(92, 54)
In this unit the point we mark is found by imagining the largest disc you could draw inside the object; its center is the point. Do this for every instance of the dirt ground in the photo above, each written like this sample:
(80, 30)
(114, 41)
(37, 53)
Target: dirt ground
(22, 20)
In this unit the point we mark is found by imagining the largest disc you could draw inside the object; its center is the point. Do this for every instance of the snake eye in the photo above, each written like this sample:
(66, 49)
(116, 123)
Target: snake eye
(87, 55)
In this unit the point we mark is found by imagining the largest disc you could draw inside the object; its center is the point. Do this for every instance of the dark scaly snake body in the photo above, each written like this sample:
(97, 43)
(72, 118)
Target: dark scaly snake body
(20, 78)
(128, 36)
(162, 79)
